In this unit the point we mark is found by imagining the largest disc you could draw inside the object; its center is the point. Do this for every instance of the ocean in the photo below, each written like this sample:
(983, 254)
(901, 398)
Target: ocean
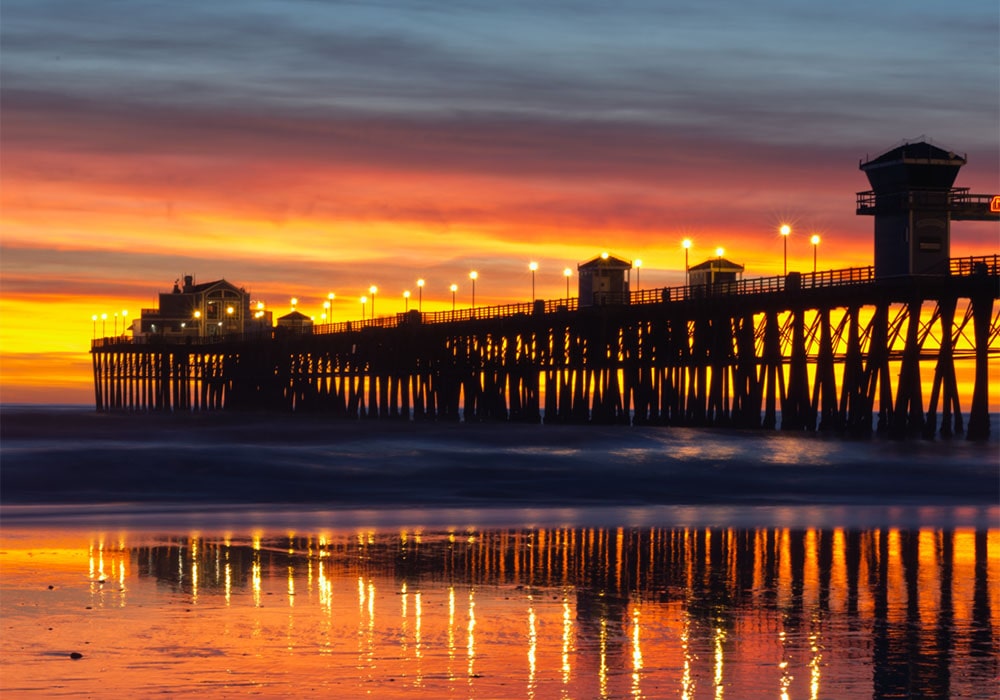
(232, 554)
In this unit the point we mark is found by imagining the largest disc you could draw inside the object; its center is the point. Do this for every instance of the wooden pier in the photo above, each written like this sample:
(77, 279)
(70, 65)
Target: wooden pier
(841, 351)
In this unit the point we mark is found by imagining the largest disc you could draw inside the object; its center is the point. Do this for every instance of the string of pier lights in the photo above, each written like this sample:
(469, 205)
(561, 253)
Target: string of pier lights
(686, 244)
(784, 230)
(104, 323)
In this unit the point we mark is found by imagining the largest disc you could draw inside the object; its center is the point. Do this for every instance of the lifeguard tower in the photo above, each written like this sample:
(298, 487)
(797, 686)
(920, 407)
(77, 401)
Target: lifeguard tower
(913, 202)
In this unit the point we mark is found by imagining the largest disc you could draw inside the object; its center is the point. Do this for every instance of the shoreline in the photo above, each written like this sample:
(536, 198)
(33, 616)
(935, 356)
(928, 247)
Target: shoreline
(138, 518)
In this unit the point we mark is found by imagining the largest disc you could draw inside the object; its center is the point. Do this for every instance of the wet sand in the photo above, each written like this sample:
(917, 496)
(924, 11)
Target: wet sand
(519, 610)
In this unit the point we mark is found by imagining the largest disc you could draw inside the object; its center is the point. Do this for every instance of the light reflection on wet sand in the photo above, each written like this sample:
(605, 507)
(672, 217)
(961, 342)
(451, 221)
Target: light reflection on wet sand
(580, 612)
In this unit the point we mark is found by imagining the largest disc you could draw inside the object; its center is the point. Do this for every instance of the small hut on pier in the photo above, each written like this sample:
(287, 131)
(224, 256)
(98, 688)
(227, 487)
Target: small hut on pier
(295, 322)
(604, 280)
(715, 275)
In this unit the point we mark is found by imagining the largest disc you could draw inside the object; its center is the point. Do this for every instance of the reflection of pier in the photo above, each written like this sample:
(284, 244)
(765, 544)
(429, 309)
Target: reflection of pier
(829, 350)
(904, 595)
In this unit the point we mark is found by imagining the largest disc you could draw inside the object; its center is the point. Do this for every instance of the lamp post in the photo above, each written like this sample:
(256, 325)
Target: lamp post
(785, 230)
(567, 273)
(454, 288)
(364, 300)
(197, 320)
(94, 319)
(686, 244)
(295, 302)
(327, 312)
(420, 295)
(638, 283)
(373, 289)
(533, 266)
(330, 297)
(124, 315)
(473, 276)
(406, 300)
(815, 242)
(718, 265)
(116, 323)
(104, 325)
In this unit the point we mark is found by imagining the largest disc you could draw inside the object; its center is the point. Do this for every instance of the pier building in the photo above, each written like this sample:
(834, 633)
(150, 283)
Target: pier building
(209, 309)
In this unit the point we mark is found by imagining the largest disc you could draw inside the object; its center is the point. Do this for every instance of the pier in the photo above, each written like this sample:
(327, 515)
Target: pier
(850, 351)
(820, 351)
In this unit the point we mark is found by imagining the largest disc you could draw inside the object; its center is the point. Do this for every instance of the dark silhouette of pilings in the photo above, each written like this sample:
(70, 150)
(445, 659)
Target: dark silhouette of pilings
(825, 355)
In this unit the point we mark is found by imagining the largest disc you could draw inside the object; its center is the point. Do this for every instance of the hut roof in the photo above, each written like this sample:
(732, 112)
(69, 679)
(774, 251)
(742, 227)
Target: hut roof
(294, 316)
(719, 265)
(605, 263)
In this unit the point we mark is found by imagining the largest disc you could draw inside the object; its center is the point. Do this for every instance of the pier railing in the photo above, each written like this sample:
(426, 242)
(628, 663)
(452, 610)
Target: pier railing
(792, 282)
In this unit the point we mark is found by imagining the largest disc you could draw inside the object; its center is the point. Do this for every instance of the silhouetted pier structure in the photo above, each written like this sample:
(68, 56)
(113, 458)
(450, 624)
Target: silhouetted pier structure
(822, 349)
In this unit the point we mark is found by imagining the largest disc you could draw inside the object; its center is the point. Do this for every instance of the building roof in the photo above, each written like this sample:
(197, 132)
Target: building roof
(205, 286)
(919, 152)
(605, 263)
(294, 316)
(717, 264)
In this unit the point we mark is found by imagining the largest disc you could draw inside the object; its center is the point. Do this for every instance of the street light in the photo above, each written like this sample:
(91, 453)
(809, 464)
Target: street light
(473, 276)
(567, 273)
(815, 242)
(406, 300)
(533, 266)
(327, 311)
(686, 244)
(638, 283)
(364, 300)
(420, 295)
(295, 302)
(124, 314)
(373, 289)
(94, 319)
(104, 325)
(116, 323)
(454, 288)
(785, 230)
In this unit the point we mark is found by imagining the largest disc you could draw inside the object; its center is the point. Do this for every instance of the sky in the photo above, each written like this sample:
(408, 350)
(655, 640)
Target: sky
(299, 147)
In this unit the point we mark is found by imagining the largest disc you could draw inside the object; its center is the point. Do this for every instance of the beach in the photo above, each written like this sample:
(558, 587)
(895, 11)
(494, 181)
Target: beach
(234, 555)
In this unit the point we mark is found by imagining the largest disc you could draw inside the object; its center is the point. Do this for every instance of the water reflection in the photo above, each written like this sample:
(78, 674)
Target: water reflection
(592, 612)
